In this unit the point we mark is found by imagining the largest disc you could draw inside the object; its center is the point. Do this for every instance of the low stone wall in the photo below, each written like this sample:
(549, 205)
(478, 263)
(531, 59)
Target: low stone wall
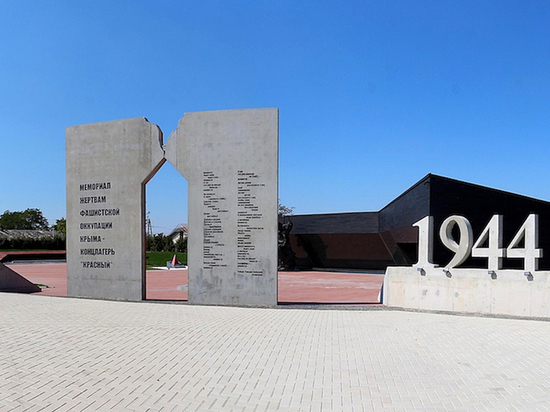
(504, 292)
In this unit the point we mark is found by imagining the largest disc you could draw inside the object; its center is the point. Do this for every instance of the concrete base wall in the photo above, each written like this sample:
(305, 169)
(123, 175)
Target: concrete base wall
(468, 290)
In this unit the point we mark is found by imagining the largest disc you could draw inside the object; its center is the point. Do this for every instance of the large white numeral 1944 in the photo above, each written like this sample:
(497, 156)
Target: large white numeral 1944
(489, 243)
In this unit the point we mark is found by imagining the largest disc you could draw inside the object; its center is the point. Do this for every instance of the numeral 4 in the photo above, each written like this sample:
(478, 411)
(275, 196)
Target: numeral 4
(492, 237)
(530, 253)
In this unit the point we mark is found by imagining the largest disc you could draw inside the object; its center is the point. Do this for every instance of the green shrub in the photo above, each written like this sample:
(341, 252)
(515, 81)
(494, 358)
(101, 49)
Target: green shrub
(56, 242)
(162, 243)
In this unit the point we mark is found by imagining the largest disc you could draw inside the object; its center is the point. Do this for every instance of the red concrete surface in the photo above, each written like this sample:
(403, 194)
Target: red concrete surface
(329, 287)
(294, 287)
(51, 277)
(163, 284)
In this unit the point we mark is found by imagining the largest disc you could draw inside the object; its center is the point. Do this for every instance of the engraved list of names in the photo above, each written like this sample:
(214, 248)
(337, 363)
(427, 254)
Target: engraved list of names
(216, 217)
(249, 222)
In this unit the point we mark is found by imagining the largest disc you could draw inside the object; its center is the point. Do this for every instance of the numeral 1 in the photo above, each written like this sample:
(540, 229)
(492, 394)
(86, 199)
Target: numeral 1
(425, 241)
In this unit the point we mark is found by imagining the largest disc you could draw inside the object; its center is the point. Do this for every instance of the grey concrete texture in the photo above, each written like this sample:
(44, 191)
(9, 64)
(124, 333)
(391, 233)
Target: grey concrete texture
(11, 281)
(63, 354)
(230, 161)
(108, 165)
(504, 292)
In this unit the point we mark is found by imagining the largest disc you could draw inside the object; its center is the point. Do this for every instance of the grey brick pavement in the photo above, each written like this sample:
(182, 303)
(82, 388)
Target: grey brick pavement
(60, 354)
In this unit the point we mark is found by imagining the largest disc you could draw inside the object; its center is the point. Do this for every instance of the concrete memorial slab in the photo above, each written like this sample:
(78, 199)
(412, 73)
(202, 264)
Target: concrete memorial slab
(230, 160)
(108, 165)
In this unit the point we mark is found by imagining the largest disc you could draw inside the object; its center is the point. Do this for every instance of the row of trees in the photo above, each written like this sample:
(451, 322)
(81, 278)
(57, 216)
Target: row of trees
(33, 219)
(26, 243)
(163, 243)
(155, 243)
(29, 219)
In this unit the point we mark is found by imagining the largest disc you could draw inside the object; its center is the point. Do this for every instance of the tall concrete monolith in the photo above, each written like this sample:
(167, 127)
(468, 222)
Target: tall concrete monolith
(230, 160)
(108, 165)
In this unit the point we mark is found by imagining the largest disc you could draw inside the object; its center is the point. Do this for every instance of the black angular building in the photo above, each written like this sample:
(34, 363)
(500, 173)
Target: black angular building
(375, 240)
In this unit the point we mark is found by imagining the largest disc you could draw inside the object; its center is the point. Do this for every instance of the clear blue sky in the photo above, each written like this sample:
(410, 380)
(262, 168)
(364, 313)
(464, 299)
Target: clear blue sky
(373, 95)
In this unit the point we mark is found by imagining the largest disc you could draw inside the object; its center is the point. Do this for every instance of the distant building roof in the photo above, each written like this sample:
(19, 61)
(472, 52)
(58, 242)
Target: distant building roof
(181, 228)
(27, 234)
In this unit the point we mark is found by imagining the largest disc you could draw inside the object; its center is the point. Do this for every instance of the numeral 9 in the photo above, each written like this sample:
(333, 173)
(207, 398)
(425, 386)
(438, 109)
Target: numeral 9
(461, 248)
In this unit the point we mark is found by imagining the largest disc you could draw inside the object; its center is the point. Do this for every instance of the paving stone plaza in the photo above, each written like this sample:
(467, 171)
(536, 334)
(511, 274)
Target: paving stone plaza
(66, 354)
